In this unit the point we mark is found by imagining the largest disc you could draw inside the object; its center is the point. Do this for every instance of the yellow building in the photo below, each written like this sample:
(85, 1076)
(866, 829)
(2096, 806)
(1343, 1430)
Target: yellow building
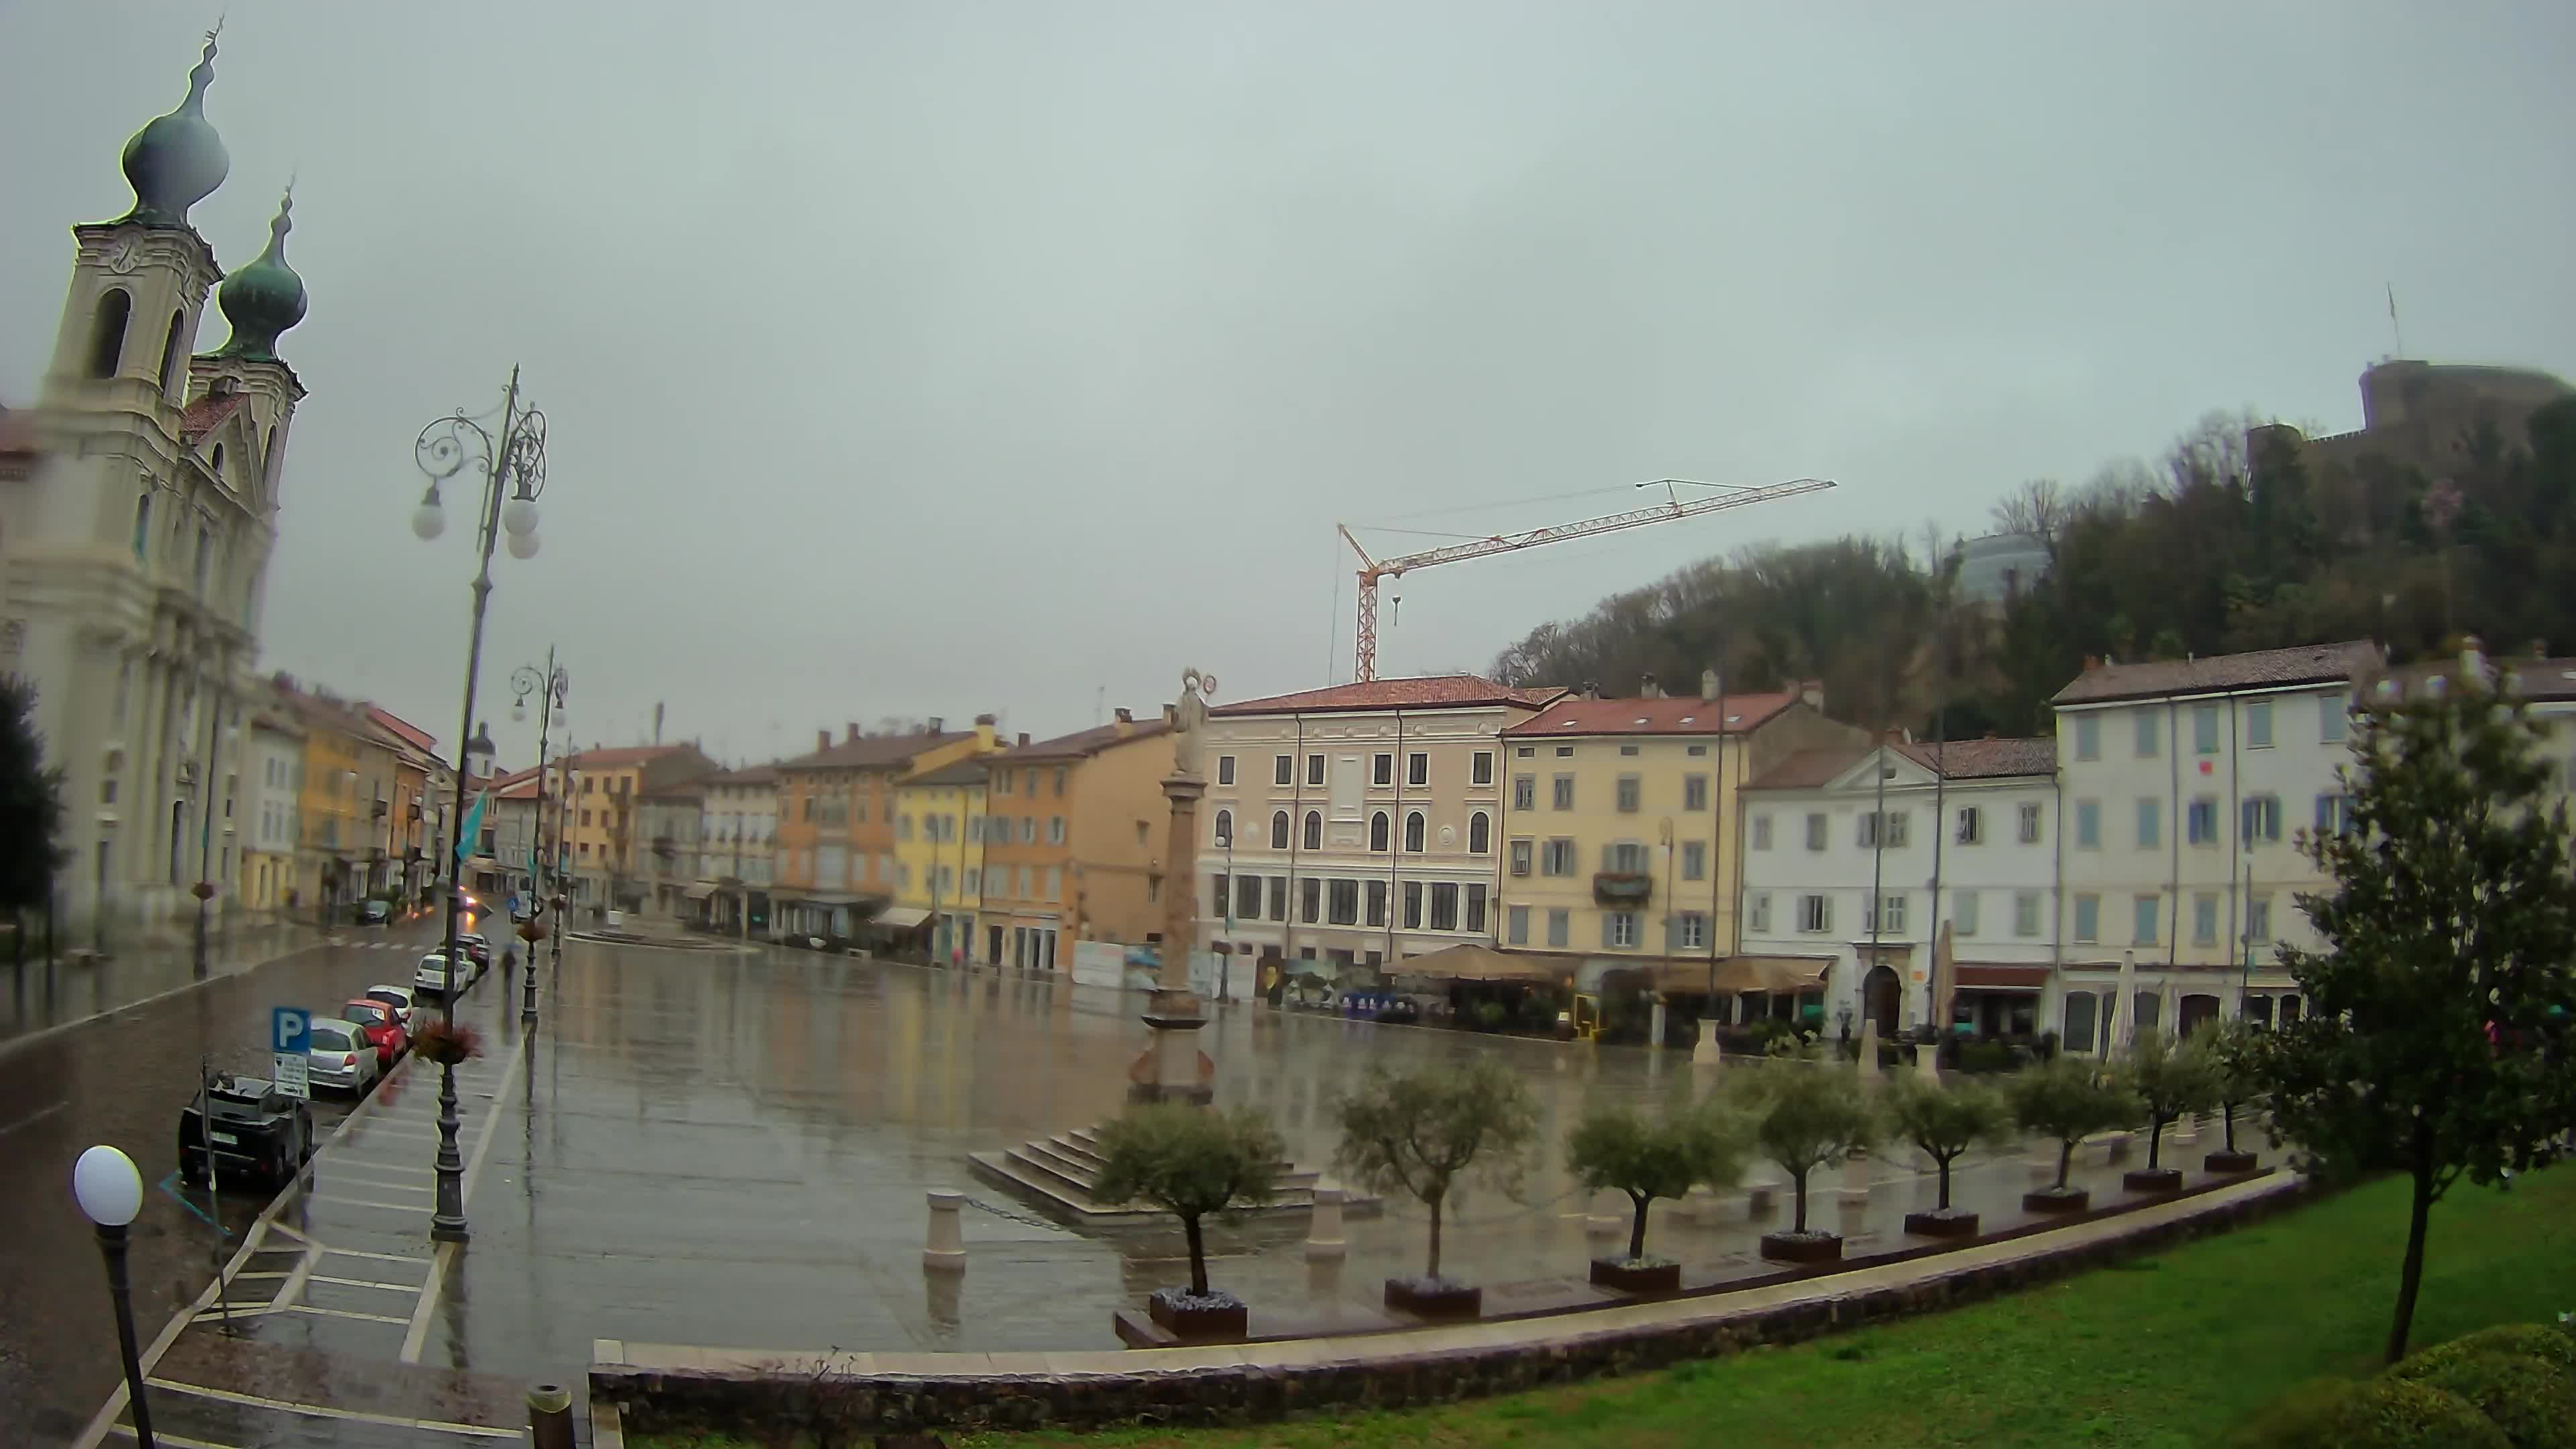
(939, 855)
(1619, 818)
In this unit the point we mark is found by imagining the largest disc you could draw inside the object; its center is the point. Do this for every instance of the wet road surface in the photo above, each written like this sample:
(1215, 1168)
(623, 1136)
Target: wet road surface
(121, 1079)
(733, 1149)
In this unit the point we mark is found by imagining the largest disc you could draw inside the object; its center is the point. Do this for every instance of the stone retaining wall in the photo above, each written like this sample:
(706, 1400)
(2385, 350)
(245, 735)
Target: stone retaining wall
(668, 1390)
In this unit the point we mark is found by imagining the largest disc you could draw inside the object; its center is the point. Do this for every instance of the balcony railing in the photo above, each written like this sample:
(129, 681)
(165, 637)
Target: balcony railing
(1622, 887)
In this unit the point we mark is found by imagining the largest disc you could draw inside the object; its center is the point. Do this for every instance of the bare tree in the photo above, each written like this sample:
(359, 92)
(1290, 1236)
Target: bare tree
(2038, 508)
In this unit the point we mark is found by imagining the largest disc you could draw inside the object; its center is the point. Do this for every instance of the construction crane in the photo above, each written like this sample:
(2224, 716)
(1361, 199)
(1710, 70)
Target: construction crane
(1672, 509)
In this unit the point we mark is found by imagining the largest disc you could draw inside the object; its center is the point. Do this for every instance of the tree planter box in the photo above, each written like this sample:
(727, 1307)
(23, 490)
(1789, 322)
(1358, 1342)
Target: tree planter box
(2152, 1179)
(1942, 1223)
(2229, 1162)
(2051, 1200)
(1807, 1247)
(1648, 1275)
(1434, 1297)
(1218, 1315)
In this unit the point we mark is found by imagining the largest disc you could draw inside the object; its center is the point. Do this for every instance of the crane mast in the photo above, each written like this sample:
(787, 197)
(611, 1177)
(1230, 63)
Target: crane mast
(1672, 509)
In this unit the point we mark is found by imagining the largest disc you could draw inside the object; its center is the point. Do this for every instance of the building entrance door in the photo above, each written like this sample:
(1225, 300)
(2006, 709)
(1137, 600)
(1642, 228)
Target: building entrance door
(1879, 993)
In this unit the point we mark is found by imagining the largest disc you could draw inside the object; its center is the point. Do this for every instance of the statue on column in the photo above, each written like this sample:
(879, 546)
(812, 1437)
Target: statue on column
(1189, 722)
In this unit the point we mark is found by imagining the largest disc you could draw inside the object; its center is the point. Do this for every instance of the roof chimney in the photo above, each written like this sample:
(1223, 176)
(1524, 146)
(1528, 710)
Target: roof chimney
(1811, 693)
(1124, 724)
(822, 739)
(988, 719)
(1592, 689)
(1708, 684)
(1024, 739)
(853, 728)
(2092, 662)
(1171, 714)
(1647, 688)
(934, 725)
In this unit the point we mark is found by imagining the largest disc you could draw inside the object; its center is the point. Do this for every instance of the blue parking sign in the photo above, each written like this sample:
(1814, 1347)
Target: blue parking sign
(289, 1029)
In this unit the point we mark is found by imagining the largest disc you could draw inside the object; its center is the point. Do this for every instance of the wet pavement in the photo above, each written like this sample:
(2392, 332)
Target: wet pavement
(39, 994)
(733, 1150)
(121, 1079)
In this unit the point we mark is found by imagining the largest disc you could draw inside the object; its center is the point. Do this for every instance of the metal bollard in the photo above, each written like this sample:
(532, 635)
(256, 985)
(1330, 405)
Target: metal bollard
(947, 1248)
(549, 1417)
(1324, 1227)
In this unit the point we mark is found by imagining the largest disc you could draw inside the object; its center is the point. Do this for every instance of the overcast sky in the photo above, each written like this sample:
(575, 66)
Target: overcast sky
(936, 358)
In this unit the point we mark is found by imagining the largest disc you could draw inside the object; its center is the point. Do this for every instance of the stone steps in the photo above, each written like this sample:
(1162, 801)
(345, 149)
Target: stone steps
(1059, 1174)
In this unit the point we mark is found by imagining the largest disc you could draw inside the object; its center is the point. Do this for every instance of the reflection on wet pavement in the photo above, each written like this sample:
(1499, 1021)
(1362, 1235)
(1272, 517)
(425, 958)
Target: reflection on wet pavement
(734, 1150)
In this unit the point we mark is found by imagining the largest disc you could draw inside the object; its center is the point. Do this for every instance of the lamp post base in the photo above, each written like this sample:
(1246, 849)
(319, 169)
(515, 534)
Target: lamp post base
(447, 1223)
(111, 1246)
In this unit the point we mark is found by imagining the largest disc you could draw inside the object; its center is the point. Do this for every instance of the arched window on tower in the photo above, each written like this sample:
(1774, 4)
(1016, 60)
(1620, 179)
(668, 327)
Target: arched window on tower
(143, 528)
(1314, 830)
(107, 332)
(1480, 833)
(173, 369)
(1377, 831)
(1413, 831)
(1279, 830)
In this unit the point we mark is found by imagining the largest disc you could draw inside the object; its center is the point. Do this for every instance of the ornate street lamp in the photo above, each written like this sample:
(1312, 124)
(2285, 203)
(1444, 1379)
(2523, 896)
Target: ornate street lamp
(550, 685)
(110, 1193)
(513, 468)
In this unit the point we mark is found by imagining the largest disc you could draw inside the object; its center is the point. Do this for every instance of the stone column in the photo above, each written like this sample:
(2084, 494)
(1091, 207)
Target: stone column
(1868, 1049)
(1172, 1069)
(1324, 1226)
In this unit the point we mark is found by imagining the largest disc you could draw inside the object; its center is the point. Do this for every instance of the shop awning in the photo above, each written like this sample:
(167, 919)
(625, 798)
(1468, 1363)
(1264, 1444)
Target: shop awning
(1981, 976)
(1484, 963)
(1767, 973)
(700, 891)
(901, 918)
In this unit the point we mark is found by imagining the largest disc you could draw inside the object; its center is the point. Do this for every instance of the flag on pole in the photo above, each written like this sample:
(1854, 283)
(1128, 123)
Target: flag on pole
(473, 830)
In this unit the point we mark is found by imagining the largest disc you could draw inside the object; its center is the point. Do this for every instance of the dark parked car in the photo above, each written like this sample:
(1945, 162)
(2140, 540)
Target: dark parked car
(374, 913)
(259, 1132)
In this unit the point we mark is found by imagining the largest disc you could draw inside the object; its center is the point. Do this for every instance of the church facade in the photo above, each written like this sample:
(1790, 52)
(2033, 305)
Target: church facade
(134, 551)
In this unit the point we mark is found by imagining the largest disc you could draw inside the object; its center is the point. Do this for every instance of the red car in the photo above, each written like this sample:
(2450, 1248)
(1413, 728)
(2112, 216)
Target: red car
(381, 1025)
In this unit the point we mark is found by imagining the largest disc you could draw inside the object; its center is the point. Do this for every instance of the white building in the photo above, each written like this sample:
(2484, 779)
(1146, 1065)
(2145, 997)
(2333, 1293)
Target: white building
(1859, 857)
(269, 822)
(739, 820)
(1362, 819)
(2185, 784)
(136, 553)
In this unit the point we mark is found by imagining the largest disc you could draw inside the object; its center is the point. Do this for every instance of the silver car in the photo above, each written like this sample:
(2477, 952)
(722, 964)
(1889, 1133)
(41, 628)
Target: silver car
(337, 1056)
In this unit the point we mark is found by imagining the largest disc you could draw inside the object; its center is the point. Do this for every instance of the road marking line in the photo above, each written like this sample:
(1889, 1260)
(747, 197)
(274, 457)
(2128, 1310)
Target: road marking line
(336, 1313)
(238, 1310)
(391, 1207)
(238, 1277)
(160, 1437)
(363, 1253)
(294, 1283)
(324, 1411)
(367, 1283)
(39, 1115)
(346, 1163)
(418, 1333)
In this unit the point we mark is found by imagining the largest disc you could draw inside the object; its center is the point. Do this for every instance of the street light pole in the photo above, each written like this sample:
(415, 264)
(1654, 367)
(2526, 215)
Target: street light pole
(516, 459)
(550, 686)
(110, 1193)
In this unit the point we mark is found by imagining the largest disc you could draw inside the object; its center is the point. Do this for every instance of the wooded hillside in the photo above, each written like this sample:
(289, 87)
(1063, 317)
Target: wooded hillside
(2206, 551)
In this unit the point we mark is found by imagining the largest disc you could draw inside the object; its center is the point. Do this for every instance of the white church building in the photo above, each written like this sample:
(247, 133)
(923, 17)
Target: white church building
(134, 552)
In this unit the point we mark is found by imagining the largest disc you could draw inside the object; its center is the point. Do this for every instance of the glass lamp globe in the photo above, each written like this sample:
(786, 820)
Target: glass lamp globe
(519, 516)
(109, 1189)
(519, 710)
(523, 545)
(428, 521)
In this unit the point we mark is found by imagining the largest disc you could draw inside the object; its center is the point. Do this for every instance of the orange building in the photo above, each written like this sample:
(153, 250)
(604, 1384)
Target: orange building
(834, 856)
(1072, 843)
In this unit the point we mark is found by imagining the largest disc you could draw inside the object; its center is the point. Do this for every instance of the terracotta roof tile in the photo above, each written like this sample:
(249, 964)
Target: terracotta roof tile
(1688, 715)
(1808, 769)
(1437, 691)
(208, 413)
(411, 734)
(621, 756)
(1082, 744)
(2263, 668)
(2546, 680)
(747, 775)
(1985, 759)
(956, 772)
(873, 752)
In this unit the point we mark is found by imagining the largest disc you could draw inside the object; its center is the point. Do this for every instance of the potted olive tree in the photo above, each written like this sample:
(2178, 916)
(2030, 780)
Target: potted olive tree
(1190, 1162)
(1944, 1122)
(1620, 1148)
(2169, 1079)
(1806, 1115)
(2067, 1101)
(2236, 1072)
(1420, 1132)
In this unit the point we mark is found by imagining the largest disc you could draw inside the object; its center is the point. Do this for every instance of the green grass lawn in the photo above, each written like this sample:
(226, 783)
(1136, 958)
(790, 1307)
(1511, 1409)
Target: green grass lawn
(2168, 1350)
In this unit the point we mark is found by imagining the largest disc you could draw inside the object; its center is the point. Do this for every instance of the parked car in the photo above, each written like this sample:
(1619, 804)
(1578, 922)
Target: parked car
(258, 1132)
(431, 975)
(338, 1055)
(476, 947)
(374, 913)
(381, 1025)
(403, 1000)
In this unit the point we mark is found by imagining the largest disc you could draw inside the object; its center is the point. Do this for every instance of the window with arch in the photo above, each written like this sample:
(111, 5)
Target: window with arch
(1413, 831)
(172, 351)
(1314, 830)
(143, 528)
(217, 466)
(1377, 831)
(1279, 830)
(107, 332)
(1480, 833)
(1225, 827)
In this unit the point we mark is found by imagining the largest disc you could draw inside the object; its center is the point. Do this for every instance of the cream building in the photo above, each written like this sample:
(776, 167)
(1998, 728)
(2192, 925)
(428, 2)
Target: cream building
(136, 553)
(740, 821)
(270, 826)
(1358, 824)
(2185, 784)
